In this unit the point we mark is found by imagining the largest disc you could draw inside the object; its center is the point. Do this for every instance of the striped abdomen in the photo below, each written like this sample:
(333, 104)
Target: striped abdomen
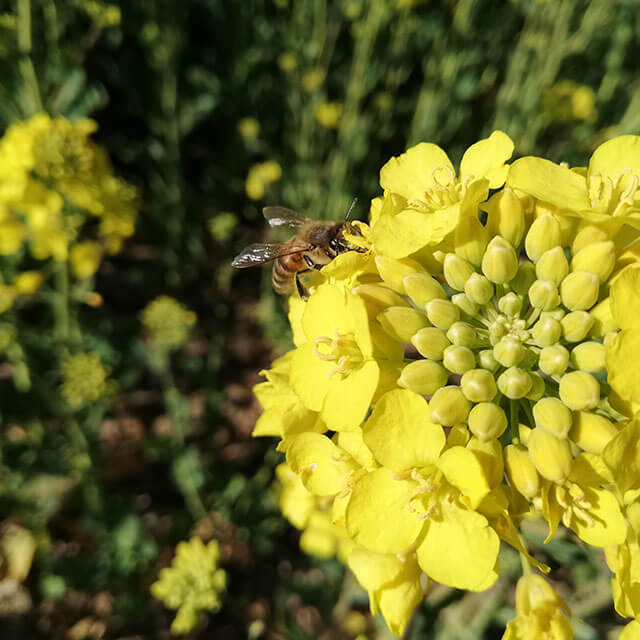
(284, 271)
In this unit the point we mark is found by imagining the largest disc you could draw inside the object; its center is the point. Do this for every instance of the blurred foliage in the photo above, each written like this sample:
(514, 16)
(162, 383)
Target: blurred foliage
(212, 109)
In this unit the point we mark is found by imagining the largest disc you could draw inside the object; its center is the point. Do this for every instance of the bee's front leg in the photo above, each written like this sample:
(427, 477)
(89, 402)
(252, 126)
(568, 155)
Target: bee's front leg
(302, 291)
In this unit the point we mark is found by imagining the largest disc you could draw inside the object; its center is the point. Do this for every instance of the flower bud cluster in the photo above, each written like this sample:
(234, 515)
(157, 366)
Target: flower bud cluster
(478, 361)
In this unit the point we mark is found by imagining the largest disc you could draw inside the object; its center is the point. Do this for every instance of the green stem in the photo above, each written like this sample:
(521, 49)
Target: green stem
(31, 89)
(514, 414)
(61, 303)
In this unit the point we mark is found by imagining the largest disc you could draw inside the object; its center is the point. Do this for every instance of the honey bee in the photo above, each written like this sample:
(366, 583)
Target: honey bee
(317, 243)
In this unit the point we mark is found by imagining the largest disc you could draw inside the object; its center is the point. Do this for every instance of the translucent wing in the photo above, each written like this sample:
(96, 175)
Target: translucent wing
(283, 217)
(256, 254)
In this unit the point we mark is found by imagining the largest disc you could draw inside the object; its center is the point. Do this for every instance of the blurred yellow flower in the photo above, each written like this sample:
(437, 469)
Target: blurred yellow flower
(84, 379)
(28, 282)
(168, 322)
(249, 128)
(287, 61)
(192, 584)
(328, 114)
(85, 259)
(567, 101)
(260, 176)
(313, 79)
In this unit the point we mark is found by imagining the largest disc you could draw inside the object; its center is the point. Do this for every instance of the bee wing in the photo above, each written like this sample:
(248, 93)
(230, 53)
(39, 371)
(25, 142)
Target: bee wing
(283, 217)
(256, 254)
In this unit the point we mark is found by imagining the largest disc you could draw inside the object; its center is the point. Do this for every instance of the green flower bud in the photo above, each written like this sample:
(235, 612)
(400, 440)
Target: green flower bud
(465, 304)
(487, 421)
(442, 313)
(505, 216)
(457, 271)
(552, 416)
(546, 331)
(463, 334)
(588, 234)
(394, 271)
(579, 290)
(500, 262)
(576, 325)
(378, 297)
(552, 265)
(422, 288)
(580, 391)
(553, 360)
(470, 239)
(478, 289)
(510, 304)
(544, 234)
(550, 455)
(592, 432)
(458, 359)
(478, 385)
(525, 277)
(430, 343)
(514, 383)
(448, 406)
(555, 314)
(598, 258)
(402, 323)
(423, 376)
(589, 356)
(543, 294)
(521, 472)
(509, 351)
(487, 360)
(538, 386)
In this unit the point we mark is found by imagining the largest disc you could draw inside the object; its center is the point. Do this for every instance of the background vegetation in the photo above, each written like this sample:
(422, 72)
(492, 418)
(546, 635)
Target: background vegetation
(213, 109)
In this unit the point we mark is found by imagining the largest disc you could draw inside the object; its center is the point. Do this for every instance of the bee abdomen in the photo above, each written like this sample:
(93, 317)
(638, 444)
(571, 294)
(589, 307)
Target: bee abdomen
(282, 278)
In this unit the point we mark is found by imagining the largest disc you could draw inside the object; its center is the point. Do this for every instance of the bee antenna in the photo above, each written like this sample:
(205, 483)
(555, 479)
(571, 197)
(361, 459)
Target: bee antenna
(353, 204)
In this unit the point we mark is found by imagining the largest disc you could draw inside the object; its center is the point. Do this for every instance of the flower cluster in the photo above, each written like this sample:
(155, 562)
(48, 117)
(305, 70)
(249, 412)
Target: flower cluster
(476, 365)
(167, 322)
(59, 198)
(84, 379)
(192, 584)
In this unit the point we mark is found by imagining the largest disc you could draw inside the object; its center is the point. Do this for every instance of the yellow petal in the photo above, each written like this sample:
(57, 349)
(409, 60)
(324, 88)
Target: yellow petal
(623, 353)
(459, 549)
(462, 468)
(377, 515)
(486, 159)
(348, 399)
(326, 313)
(625, 298)
(322, 466)
(310, 376)
(410, 174)
(608, 526)
(616, 155)
(622, 457)
(550, 182)
(401, 417)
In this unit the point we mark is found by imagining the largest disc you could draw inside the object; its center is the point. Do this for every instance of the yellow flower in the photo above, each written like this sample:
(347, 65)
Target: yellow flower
(192, 584)
(328, 114)
(541, 614)
(606, 194)
(430, 199)
(260, 176)
(249, 128)
(168, 322)
(566, 101)
(336, 371)
(85, 259)
(313, 79)
(423, 496)
(84, 379)
(28, 282)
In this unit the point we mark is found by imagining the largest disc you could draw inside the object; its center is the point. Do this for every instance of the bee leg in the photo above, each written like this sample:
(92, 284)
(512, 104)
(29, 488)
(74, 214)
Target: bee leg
(302, 292)
(311, 264)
